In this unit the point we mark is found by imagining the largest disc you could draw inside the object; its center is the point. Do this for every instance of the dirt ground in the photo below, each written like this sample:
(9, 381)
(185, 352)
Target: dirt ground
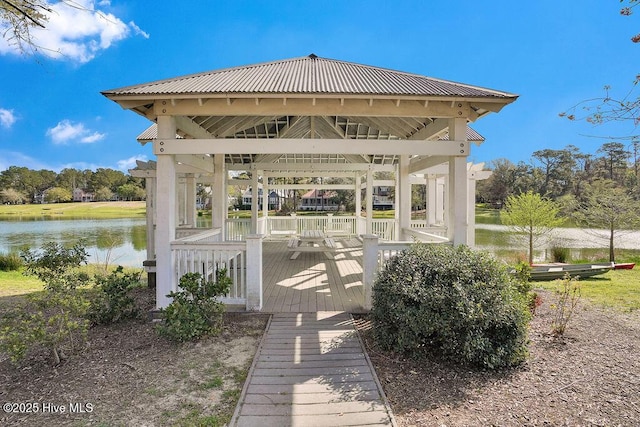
(131, 377)
(589, 378)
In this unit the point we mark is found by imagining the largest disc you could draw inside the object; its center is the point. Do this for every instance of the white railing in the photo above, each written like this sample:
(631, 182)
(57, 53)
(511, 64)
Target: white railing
(432, 229)
(425, 236)
(376, 253)
(209, 259)
(287, 225)
(237, 228)
(199, 254)
(198, 235)
(384, 228)
(388, 249)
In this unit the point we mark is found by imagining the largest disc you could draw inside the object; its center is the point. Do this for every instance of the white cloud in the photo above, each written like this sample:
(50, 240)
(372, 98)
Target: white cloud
(130, 163)
(7, 118)
(137, 30)
(67, 131)
(94, 137)
(77, 30)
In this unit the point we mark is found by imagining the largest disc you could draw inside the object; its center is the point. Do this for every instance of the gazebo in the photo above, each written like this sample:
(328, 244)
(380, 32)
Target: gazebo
(302, 117)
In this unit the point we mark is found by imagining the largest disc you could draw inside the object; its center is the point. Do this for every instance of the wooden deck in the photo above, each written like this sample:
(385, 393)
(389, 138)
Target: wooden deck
(312, 282)
(311, 370)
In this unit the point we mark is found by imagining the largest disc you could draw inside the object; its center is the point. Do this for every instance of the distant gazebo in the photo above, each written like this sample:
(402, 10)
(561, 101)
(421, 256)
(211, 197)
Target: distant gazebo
(302, 117)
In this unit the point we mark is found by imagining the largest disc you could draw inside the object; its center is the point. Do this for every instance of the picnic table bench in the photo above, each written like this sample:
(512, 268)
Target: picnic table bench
(312, 241)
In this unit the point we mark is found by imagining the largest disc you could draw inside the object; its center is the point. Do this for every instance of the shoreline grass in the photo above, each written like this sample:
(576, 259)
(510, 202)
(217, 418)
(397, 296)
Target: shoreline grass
(76, 210)
(618, 289)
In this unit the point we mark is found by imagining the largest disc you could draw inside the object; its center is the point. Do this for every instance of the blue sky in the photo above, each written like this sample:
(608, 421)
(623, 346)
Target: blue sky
(551, 53)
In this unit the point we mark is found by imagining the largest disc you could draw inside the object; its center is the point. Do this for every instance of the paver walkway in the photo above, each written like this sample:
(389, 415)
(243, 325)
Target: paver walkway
(311, 370)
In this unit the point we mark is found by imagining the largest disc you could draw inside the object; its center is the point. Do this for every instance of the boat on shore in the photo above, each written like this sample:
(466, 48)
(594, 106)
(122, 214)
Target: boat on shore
(558, 271)
(624, 266)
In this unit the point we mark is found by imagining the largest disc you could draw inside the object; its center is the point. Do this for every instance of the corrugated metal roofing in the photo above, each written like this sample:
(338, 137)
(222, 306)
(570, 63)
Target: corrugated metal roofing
(308, 75)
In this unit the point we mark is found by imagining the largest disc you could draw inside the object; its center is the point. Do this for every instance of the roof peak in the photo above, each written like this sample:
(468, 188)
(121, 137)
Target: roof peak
(310, 74)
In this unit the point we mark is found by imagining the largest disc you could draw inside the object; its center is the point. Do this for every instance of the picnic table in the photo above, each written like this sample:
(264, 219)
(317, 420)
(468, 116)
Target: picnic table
(312, 241)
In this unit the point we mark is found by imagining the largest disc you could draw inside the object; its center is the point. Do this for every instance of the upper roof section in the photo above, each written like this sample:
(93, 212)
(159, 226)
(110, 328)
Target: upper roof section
(306, 76)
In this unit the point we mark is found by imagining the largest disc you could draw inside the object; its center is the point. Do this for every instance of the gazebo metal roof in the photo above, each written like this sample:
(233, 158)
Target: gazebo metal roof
(310, 98)
(308, 75)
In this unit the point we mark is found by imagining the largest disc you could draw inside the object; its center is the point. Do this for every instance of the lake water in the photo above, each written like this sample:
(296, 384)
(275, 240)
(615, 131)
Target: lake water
(116, 241)
(123, 241)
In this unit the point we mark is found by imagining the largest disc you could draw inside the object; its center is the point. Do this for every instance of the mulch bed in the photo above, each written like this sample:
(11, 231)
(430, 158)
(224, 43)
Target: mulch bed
(131, 376)
(590, 377)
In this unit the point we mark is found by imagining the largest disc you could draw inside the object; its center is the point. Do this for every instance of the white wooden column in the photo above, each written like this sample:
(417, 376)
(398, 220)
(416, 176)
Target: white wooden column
(219, 195)
(432, 204)
(150, 203)
(403, 205)
(254, 201)
(191, 212)
(180, 203)
(166, 216)
(265, 197)
(471, 211)
(358, 199)
(458, 186)
(369, 197)
(254, 272)
(441, 200)
(369, 267)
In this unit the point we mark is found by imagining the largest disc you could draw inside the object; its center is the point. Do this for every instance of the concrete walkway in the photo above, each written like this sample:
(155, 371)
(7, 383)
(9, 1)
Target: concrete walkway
(311, 370)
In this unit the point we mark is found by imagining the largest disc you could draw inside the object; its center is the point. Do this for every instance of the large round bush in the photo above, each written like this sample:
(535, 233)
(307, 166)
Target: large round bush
(454, 303)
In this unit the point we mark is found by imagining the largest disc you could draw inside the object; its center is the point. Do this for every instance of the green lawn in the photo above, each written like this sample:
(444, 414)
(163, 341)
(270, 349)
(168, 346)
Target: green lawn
(13, 287)
(618, 289)
(95, 210)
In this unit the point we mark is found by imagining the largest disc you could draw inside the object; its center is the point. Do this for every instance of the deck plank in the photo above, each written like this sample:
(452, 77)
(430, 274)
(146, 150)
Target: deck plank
(311, 369)
(312, 283)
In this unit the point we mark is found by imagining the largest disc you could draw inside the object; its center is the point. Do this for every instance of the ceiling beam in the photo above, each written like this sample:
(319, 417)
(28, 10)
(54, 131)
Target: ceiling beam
(419, 165)
(431, 130)
(311, 186)
(309, 146)
(191, 128)
(201, 162)
(303, 174)
(307, 107)
(311, 169)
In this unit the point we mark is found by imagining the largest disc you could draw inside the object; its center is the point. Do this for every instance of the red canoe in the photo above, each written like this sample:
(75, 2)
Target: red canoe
(624, 266)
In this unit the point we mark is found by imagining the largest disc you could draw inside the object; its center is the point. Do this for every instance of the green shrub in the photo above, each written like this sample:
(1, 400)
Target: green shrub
(56, 317)
(10, 262)
(112, 301)
(567, 296)
(559, 254)
(195, 310)
(453, 303)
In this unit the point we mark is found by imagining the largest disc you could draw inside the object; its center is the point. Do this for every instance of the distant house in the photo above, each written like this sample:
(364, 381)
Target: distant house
(319, 200)
(80, 195)
(382, 198)
(275, 200)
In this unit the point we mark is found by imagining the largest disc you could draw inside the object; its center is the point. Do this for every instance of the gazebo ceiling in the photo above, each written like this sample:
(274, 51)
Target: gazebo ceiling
(310, 98)
(352, 130)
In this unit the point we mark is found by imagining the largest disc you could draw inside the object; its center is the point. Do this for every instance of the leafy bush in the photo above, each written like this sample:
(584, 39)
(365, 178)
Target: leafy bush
(567, 297)
(195, 310)
(112, 300)
(56, 317)
(559, 254)
(453, 303)
(10, 262)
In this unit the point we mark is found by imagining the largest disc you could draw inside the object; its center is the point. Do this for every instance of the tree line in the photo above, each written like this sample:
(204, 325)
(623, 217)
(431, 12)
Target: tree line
(23, 185)
(563, 174)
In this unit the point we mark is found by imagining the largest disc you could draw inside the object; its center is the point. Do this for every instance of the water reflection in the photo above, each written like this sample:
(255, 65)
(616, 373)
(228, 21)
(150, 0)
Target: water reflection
(115, 241)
